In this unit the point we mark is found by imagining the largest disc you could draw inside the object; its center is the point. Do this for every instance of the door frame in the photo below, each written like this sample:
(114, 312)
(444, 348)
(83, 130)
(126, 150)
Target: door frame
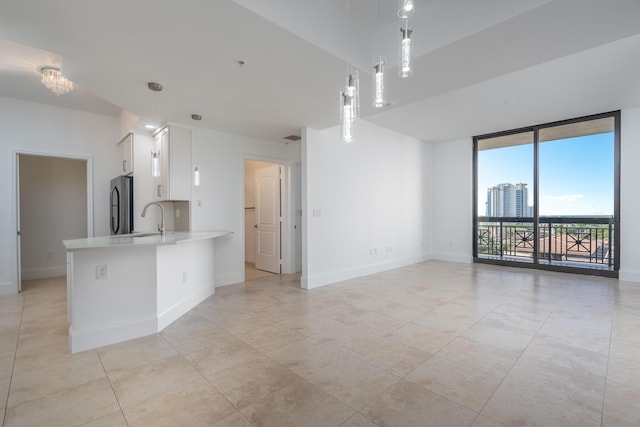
(287, 202)
(17, 262)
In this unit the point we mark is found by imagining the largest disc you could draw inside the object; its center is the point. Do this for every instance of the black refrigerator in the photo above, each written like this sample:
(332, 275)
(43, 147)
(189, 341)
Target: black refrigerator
(121, 204)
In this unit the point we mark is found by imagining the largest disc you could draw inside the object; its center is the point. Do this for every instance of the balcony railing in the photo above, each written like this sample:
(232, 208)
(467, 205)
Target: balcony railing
(567, 241)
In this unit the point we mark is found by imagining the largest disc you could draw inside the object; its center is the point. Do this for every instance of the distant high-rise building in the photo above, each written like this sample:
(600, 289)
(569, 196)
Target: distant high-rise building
(522, 199)
(508, 200)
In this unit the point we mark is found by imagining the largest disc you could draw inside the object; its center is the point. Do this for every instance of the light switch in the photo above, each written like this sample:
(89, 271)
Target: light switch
(316, 212)
(102, 271)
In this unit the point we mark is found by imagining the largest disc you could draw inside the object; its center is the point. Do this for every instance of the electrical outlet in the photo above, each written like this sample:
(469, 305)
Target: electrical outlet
(177, 213)
(199, 203)
(102, 271)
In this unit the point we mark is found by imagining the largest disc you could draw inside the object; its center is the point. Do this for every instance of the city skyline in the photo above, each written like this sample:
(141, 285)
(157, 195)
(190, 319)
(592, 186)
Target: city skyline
(575, 174)
(508, 199)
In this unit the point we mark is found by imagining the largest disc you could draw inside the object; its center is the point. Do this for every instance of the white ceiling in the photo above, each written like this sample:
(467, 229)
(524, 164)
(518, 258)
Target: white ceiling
(549, 59)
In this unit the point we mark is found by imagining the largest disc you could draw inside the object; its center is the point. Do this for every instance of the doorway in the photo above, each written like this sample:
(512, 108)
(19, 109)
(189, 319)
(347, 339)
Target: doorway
(52, 205)
(262, 215)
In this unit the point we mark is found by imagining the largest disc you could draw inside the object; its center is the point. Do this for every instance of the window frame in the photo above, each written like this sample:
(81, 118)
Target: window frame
(616, 115)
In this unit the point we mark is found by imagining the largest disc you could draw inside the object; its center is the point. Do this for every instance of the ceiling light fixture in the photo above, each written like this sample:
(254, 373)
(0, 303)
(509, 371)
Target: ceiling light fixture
(404, 68)
(54, 81)
(352, 89)
(379, 87)
(196, 177)
(154, 87)
(349, 105)
(346, 117)
(406, 8)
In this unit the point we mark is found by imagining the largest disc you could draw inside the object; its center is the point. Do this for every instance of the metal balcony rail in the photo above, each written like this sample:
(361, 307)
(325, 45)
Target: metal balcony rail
(559, 240)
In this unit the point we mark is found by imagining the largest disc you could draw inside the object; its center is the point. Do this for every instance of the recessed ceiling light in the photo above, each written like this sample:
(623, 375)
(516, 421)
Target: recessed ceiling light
(510, 102)
(150, 126)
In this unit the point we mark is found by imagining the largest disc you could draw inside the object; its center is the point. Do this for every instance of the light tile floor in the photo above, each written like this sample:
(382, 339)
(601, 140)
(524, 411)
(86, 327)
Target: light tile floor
(251, 272)
(433, 344)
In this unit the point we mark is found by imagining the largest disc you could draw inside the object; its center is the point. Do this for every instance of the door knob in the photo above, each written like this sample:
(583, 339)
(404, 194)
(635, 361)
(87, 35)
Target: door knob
(255, 226)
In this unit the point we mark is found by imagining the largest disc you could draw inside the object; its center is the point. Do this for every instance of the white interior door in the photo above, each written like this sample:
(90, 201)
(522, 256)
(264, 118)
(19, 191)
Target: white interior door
(267, 194)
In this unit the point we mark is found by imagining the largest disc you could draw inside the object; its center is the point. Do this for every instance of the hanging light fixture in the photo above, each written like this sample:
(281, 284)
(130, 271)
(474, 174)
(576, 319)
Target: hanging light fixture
(404, 68)
(406, 8)
(346, 117)
(379, 87)
(196, 177)
(349, 105)
(54, 81)
(155, 164)
(352, 88)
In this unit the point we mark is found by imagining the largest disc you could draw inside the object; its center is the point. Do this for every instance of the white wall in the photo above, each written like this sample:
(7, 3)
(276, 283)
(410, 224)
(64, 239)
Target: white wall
(44, 129)
(220, 158)
(53, 208)
(451, 204)
(363, 203)
(630, 196)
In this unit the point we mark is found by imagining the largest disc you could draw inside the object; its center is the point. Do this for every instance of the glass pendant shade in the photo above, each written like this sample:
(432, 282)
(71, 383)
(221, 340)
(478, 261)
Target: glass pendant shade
(155, 164)
(404, 67)
(379, 89)
(352, 89)
(406, 8)
(196, 177)
(346, 117)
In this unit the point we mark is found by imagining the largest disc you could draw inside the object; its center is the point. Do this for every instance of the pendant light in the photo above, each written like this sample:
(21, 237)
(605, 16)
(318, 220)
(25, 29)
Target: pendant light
(406, 8)
(352, 88)
(349, 99)
(155, 148)
(379, 87)
(404, 67)
(346, 117)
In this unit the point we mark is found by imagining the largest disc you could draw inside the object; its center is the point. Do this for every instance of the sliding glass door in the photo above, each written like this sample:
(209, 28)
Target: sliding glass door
(548, 196)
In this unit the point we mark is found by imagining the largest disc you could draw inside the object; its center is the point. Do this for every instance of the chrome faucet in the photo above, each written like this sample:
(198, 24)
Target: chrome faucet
(161, 225)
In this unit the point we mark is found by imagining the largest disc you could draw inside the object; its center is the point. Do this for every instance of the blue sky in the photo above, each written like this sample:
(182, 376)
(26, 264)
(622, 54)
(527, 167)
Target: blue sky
(576, 174)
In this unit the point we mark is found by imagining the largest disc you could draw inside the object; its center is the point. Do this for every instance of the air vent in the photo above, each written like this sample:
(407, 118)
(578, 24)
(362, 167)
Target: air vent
(292, 138)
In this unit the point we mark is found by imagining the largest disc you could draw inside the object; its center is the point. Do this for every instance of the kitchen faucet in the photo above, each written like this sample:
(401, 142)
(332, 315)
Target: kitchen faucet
(161, 225)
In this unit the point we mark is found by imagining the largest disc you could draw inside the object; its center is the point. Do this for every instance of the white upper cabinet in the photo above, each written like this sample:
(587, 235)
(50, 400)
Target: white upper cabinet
(173, 147)
(126, 155)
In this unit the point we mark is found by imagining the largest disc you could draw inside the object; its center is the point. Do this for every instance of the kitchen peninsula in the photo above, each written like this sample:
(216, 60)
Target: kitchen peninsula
(128, 286)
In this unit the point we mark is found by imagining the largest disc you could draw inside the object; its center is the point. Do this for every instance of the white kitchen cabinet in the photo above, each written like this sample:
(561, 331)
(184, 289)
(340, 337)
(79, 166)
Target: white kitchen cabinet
(173, 146)
(126, 155)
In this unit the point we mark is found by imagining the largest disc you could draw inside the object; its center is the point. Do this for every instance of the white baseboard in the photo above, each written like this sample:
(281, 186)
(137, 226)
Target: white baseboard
(311, 282)
(629, 276)
(98, 337)
(43, 273)
(173, 313)
(461, 258)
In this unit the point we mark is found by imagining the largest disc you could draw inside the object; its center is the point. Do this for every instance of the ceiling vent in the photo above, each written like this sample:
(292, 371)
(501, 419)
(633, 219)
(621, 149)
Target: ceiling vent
(292, 138)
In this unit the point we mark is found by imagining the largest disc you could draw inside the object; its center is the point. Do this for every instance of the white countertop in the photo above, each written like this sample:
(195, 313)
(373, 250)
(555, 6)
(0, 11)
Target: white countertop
(170, 238)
